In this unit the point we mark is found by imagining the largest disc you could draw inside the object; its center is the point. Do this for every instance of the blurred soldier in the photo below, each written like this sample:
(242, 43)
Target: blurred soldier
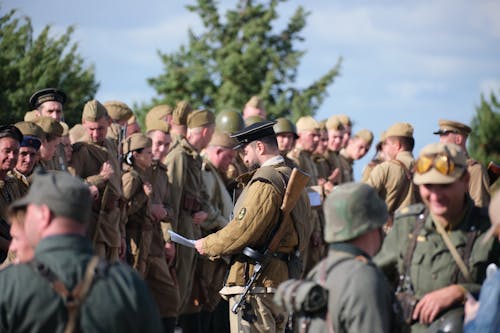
(160, 274)
(308, 132)
(191, 208)
(28, 153)
(359, 299)
(378, 158)
(10, 190)
(53, 131)
(49, 102)
(20, 249)
(484, 316)
(96, 161)
(119, 113)
(254, 107)
(230, 121)
(159, 114)
(356, 148)
(179, 121)
(218, 156)
(255, 214)
(457, 133)
(286, 135)
(436, 248)
(335, 137)
(347, 125)
(392, 179)
(252, 120)
(65, 143)
(65, 288)
(319, 154)
(77, 133)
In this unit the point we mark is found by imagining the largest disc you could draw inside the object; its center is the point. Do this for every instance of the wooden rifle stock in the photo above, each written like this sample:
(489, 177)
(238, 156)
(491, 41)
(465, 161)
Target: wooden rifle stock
(296, 184)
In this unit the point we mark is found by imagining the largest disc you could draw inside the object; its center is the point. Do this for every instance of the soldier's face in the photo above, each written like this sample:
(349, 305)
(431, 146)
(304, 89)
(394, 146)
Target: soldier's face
(357, 148)
(26, 160)
(335, 140)
(144, 158)
(48, 149)
(445, 200)
(20, 245)
(97, 130)
(323, 143)
(223, 157)
(309, 140)
(9, 151)
(250, 157)
(161, 143)
(51, 109)
(286, 141)
(346, 136)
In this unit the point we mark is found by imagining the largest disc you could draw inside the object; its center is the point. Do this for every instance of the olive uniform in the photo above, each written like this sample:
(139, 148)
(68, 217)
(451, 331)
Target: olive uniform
(346, 167)
(478, 183)
(432, 266)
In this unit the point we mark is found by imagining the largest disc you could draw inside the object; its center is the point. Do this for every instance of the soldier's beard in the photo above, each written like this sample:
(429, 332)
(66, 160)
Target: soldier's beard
(253, 166)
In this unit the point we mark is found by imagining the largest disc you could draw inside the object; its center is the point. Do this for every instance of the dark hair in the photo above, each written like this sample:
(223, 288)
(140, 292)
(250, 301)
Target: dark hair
(128, 158)
(407, 143)
(269, 141)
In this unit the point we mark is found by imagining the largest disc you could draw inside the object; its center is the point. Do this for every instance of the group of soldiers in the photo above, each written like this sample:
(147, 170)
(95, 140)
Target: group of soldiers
(82, 207)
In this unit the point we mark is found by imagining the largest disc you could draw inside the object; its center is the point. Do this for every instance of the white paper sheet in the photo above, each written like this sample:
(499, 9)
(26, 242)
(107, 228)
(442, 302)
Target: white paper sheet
(175, 237)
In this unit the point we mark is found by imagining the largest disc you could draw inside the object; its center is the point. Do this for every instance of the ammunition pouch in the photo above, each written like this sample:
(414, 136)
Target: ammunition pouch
(302, 296)
(408, 301)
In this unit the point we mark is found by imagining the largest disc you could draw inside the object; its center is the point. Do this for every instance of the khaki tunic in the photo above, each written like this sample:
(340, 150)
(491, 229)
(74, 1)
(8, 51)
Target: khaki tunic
(10, 190)
(322, 166)
(24, 182)
(393, 182)
(333, 160)
(188, 196)
(432, 266)
(107, 224)
(478, 183)
(346, 167)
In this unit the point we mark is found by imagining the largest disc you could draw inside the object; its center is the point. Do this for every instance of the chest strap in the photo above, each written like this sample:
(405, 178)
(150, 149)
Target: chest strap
(72, 299)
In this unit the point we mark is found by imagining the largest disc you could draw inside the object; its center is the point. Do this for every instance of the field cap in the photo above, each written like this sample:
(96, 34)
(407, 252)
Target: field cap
(64, 194)
(400, 129)
(307, 123)
(450, 126)
(200, 118)
(47, 95)
(351, 210)
(253, 132)
(440, 163)
(94, 111)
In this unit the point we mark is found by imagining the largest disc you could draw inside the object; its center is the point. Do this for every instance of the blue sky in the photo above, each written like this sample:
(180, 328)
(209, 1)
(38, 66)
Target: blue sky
(412, 61)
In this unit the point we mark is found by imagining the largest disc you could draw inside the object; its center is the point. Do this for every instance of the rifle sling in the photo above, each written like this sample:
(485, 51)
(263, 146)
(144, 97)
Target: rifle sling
(411, 247)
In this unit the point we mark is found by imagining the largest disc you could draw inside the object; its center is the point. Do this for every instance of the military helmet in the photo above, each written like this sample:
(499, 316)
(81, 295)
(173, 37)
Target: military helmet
(229, 121)
(451, 322)
(351, 210)
(284, 125)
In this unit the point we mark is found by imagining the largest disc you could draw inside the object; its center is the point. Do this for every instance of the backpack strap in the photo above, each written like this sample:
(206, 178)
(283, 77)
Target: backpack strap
(72, 299)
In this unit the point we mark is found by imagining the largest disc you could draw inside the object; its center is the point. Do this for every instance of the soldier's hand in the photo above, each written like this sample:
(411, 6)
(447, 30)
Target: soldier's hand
(199, 246)
(436, 301)
(199, 217)
(334, 175)
(148, 188)
(169, 252)
(159, 212)
(106, 170)
(471, 307)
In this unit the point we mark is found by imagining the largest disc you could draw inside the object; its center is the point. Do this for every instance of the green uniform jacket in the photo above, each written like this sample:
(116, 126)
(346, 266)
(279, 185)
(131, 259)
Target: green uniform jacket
(118, 301)
(346, 167)
(359, 297)
(432, 266)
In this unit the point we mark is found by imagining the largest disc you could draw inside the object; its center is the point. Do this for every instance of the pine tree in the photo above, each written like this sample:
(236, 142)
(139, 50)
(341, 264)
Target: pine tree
(240, 56)
(484, 142)
(29, 63)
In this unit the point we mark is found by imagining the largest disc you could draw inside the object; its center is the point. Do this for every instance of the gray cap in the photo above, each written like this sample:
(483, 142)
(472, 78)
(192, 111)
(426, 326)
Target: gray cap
(64, 194)
(351, 210)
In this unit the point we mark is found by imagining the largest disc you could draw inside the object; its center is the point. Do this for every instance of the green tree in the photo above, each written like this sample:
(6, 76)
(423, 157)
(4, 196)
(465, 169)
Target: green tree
(241, 56)
(484, 141)
(28, 64)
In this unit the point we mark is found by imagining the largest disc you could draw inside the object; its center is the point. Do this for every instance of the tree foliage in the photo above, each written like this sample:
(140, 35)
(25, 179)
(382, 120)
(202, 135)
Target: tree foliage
(484, 142)
(29, 63)
(240, 56)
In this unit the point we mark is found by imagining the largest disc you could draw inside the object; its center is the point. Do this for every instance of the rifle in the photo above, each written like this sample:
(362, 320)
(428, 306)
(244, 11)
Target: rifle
(293, 192)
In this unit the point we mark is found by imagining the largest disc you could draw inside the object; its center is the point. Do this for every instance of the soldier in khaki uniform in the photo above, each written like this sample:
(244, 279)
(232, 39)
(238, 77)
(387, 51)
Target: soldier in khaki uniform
(438, 249)
(302, 155)
(455, 132)
(96, 161)
(255, 214)
(286, 135)
(180, 115)
(359, 299)
(392, 179)
(378, 158)
(356, 149)
(28, 153)
(335, 137)
(191, 208)
(347, 125)
(119, 114)
(217, 158)
(160, 273)
(159, 114)
(254, 107)
(48, 150)
(10, 190)
(319, 154)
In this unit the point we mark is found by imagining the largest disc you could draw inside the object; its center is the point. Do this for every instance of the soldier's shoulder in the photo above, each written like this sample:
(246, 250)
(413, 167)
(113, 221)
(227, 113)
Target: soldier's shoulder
(412, 210)
(271, 174)
(79, 146)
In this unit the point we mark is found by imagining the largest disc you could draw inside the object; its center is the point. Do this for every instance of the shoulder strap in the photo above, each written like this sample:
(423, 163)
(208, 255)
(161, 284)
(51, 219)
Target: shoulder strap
(72, 299)
(406, 170)
(410, 249)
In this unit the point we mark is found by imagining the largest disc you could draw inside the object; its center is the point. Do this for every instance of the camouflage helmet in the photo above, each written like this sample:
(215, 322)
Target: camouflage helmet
(351, 210)
(450, 322)
(229, 121)
(284, 125)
